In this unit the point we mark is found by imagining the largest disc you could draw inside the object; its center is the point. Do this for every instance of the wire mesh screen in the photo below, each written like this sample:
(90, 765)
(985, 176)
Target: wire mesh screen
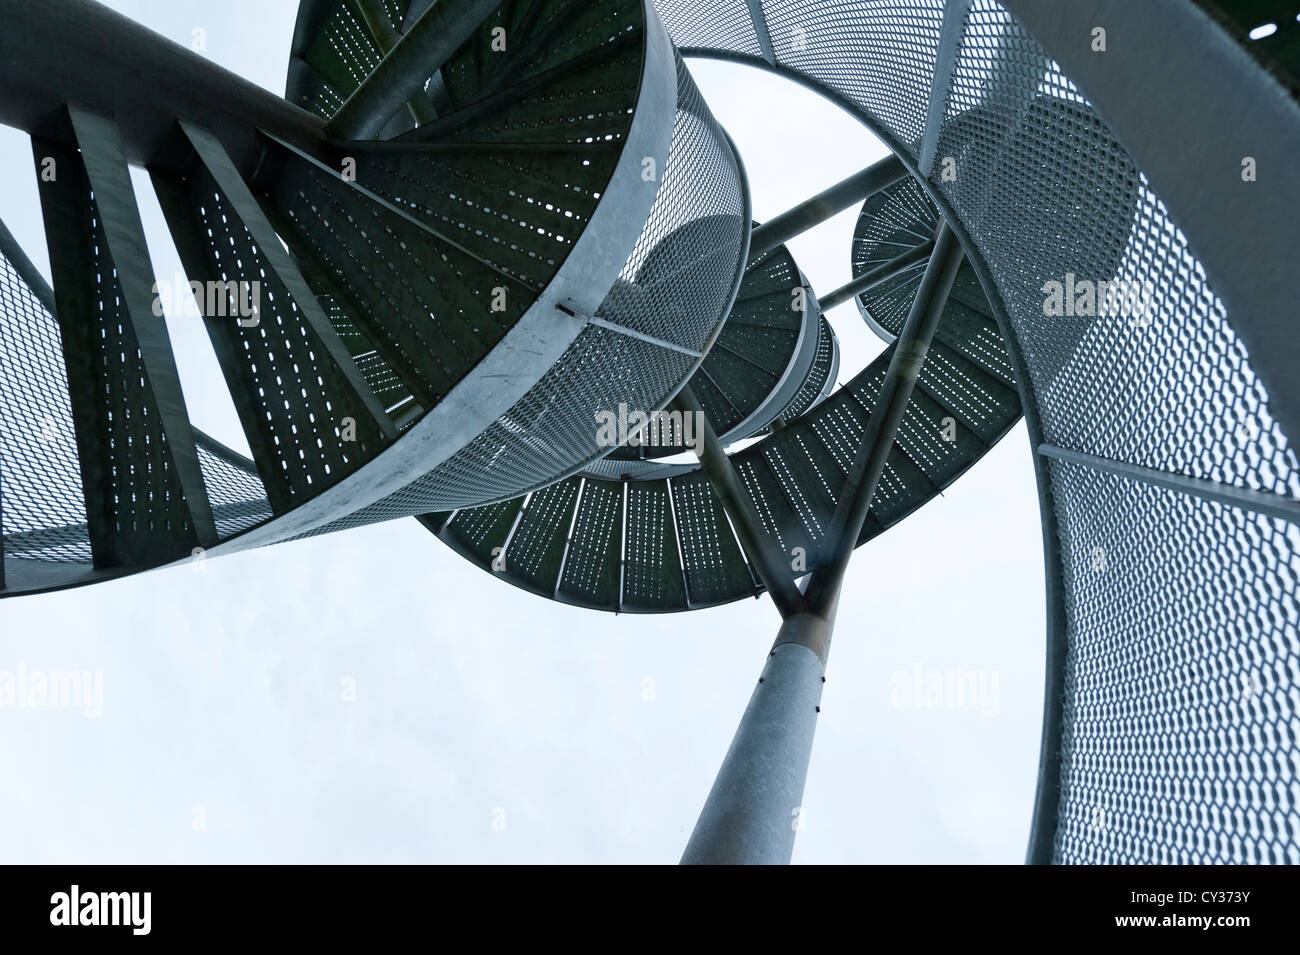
(676, 288)
(727, 24)
(879, 55)
(42, 509)
(1180, 689)
(235, 489)
(1161, 380)
(1181, 717)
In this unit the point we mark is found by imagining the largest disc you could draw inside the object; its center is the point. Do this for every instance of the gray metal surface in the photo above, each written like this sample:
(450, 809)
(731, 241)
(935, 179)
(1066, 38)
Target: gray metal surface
(754, 808)
(549, 432)
(675, 527)
(1167, 483)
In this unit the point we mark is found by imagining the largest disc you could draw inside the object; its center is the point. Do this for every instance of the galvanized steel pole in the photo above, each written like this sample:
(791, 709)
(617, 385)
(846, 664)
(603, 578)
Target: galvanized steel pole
(753, 809)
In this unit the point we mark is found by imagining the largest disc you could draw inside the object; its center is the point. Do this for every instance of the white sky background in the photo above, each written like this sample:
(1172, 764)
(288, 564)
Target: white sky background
(222, 686)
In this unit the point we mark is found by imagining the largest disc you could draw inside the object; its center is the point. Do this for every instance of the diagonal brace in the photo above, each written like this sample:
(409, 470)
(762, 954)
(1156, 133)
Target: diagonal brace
(772, 569)
(882, 427)
(824, 205)
(877, 276)
(401, 74)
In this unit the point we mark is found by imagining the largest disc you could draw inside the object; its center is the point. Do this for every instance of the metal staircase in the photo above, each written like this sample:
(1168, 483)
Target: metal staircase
(473, 227)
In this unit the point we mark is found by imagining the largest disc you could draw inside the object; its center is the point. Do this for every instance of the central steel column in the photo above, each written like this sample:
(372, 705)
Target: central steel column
(754, 808)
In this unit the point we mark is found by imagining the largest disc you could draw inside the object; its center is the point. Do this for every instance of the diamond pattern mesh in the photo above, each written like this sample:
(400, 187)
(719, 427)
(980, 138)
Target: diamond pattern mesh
(39, 479)
(1182, 715)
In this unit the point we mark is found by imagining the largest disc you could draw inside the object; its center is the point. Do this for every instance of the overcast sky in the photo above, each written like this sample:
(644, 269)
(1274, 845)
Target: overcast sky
(488, 724)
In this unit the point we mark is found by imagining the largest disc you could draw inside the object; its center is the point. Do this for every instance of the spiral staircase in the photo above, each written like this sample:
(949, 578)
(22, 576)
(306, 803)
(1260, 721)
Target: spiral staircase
(475, 227)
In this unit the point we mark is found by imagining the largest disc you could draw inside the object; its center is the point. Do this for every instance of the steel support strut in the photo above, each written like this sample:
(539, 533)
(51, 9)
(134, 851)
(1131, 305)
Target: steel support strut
(402, 73)
(880, 274)
(822, 206)
(904, 368)
(753, 809)
(386, 36)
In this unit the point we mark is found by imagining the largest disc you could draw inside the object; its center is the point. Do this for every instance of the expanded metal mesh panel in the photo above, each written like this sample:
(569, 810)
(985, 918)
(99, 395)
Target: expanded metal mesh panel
(726, 26)
(237, 494)
(675, 286)
(682, 274)
(742, 379)
(879, 55)
(1162, 382)
(40, 483)
(1182, 719)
